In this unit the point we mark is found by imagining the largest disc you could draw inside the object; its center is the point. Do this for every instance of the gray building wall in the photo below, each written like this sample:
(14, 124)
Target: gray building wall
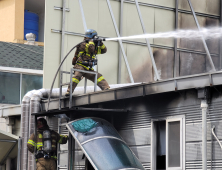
(135, 127)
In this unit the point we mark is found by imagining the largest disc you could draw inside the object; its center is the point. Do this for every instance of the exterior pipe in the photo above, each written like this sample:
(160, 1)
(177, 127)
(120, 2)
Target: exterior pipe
(25, 107)
(204, 107)
(119, 50)
(19, 154)
(31, 104)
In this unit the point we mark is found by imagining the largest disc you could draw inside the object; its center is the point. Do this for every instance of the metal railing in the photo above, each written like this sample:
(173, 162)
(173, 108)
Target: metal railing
(70, 83)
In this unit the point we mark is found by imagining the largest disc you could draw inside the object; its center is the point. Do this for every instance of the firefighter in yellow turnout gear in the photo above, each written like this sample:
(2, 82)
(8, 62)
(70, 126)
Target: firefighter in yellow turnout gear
(45, 143)
(84, 59)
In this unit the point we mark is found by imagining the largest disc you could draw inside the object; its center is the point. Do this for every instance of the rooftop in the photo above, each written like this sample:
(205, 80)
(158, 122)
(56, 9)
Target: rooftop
(21, 56)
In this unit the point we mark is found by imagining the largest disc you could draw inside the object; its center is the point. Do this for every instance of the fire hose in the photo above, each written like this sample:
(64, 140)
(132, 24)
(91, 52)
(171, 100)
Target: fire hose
(87, 40)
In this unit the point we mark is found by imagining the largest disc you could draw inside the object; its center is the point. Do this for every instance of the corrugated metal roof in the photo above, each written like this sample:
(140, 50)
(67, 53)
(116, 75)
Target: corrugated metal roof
(21, 56)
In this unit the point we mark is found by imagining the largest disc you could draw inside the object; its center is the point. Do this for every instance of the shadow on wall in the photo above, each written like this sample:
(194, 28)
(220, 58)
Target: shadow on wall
(164, 61)
(142, 73)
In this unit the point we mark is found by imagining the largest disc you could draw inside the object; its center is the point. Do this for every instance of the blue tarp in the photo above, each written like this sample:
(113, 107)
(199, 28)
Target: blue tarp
(84, 125)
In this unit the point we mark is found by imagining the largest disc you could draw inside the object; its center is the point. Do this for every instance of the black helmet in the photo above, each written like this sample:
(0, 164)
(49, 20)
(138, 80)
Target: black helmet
(41, 123)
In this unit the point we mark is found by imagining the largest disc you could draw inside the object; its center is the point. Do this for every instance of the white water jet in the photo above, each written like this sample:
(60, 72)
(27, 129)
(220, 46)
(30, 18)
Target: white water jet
(206, 33)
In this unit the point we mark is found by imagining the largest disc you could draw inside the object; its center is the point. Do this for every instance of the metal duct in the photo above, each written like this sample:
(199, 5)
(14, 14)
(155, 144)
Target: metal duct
(31, 104)
(25, 127)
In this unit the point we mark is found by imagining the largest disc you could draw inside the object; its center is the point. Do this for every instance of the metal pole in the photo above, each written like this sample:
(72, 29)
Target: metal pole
(147, 41)
(83, 16)
(203, 40)
(120, 41)
(120, 54)
(20, 93)
(19, 154)
(204, 107)
(60, 90)
(63, 30)
(95, 83)
(70, 92)
(69, 152)
(58, 145)
(175, 42)
(85, 85)
(220, 43)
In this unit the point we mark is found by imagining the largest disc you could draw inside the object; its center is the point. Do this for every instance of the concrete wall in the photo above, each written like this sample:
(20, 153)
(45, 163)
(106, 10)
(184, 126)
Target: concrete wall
(12, 24)
(3, 125)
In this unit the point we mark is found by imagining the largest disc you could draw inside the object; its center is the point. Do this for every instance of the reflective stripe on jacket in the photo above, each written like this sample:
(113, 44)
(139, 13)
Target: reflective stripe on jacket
(36, 141)
(87, 51)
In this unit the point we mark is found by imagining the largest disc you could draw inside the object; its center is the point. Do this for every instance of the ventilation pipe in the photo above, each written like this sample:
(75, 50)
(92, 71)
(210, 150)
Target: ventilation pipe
(204, 107)
(31, 39)
(31, 104)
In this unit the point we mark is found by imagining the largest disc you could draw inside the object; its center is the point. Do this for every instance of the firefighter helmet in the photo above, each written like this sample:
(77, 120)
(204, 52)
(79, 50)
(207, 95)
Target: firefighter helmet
(90, 33)
(41, 122)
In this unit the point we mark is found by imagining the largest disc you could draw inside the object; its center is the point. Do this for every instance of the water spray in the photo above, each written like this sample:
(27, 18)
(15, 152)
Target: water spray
(207, 33)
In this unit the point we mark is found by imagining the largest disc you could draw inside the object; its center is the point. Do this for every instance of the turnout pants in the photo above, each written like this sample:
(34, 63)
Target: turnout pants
(46, 164)
(101, 82)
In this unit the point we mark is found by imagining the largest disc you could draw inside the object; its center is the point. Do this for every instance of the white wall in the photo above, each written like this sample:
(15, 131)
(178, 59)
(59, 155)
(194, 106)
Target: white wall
(3, 125)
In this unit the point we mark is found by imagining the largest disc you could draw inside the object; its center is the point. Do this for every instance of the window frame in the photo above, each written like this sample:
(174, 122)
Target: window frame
(182, 141)
(153, 141)
(21, 71)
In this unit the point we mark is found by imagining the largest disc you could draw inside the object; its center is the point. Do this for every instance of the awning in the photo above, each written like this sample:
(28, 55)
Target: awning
(8, 146)
(102, 145)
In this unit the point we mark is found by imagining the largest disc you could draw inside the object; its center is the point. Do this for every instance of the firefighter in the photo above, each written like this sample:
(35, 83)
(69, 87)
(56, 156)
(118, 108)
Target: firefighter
(45, 145)
(84, 59)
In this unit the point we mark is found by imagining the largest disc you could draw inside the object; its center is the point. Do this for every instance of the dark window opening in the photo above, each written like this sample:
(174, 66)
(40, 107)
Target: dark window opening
(161, 145)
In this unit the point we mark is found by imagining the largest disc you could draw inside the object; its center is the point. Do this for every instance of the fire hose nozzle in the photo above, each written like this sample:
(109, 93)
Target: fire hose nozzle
(95, 40)
(99, 39)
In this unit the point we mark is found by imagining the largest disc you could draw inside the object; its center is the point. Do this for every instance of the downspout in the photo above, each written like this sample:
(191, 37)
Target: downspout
(25, 107)
(204, 107)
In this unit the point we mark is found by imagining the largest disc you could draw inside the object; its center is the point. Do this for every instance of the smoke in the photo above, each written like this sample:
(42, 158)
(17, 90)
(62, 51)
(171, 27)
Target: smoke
(206, 33)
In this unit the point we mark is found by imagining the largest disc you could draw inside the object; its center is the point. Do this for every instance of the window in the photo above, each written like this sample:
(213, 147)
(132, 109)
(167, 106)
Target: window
(13, 86)
(168, 142)
(174, 144)
(30, 82)
(9, 88)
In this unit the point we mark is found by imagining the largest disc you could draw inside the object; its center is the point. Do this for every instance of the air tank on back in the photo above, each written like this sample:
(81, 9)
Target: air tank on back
(31, 24)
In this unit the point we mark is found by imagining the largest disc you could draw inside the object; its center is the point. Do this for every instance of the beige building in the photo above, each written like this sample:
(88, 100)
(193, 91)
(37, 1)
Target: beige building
(12, 19)
(173, 57)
